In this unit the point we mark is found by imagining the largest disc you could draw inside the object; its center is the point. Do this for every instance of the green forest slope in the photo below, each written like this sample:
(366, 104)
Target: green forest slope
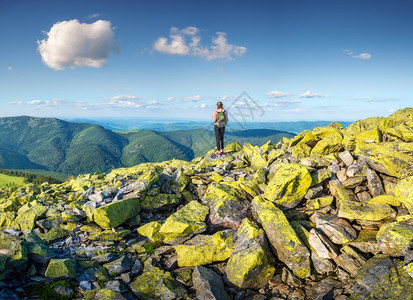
(51, 144)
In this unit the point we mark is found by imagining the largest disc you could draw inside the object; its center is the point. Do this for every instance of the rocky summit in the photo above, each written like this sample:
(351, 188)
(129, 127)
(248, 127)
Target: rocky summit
(327, 214)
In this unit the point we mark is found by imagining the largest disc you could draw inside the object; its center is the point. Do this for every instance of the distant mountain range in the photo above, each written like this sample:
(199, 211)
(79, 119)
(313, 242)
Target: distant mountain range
(171, 125)
(74, 148)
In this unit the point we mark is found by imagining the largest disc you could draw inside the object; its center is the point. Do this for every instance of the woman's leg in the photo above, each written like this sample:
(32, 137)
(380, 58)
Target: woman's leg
(222, 138)
(217, 136)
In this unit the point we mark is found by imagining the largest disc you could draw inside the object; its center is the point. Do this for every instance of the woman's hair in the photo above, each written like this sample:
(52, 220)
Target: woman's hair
(219, 104)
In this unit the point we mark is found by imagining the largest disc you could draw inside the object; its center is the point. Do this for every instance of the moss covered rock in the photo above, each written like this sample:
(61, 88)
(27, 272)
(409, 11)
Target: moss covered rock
(151, 231)
(54, 234)
(179, 181)
(155, 283)
(382, 278)
(251, 264)
(350, 208)
(288, 186)
(115, 213)
(184, 223)
(159, 202)
(404, 192)
(206, 249)
(14, 248)
(329, 141)
(233, 147)
(61, 268)
(289, 248)
(227, 205)
(393, 237)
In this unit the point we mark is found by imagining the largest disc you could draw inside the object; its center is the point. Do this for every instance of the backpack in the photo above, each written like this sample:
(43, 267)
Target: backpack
(221, 120)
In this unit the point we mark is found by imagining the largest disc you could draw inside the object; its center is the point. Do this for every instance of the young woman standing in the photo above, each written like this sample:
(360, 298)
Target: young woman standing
(220, 119)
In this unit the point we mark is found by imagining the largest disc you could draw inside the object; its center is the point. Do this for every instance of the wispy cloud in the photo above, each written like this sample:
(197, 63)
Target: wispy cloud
(171, 99)
(193, 98)
(203, 105)
(362, 56)
(74, 45)
(122, 102)
(93, 16)
(286, 102)
(309, 94)
(277, 94)
(187, 41)
(126, 101)
(296, 110)
(46, 103)
(9, 68)
(371, 99)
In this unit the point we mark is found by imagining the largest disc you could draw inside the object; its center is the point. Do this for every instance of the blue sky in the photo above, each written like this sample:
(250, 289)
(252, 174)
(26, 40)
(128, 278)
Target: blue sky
(266, 60)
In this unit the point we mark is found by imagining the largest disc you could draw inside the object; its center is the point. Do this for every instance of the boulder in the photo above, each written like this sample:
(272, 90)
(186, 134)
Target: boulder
(184, 223)
(37, 250)
(208, 284)
(385, 199)
(346, 158)
(206, 249)
(385, 158)
(382, 278)
(155, 283)
(366, 241)
(54, 234)
(118, 266)
(404, 192)
(233, 147)
(251, 264)
(115, 213)
(321, 244)
(179, 181)
(61, 268)
(338, 230)
(256, 157)
(374, 183)
(329, 141)
(317, 203)
(394, 237)
(227, 205)
(159, 202)
(349, 208)
(15, 249)
(289, 248)
(319, 176)
(289, 185)
(151, 231)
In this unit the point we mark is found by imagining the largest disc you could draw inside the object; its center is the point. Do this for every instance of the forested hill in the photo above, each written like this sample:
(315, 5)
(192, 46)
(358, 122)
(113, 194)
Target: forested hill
(74, 148)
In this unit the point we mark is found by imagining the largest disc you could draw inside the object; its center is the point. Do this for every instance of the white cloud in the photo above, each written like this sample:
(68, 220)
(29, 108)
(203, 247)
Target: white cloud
(286, 102)
(92, 16)
(73, 44)
(16, 102)
(188, 42)
(45, 103)
(296, 110)
(203, 105)
(123, 97)
(277, 94)
(362, 56)
(371, 99)
(171, 99)
(310, 94)
(193, 98)
(10, 68)
(126, 101)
